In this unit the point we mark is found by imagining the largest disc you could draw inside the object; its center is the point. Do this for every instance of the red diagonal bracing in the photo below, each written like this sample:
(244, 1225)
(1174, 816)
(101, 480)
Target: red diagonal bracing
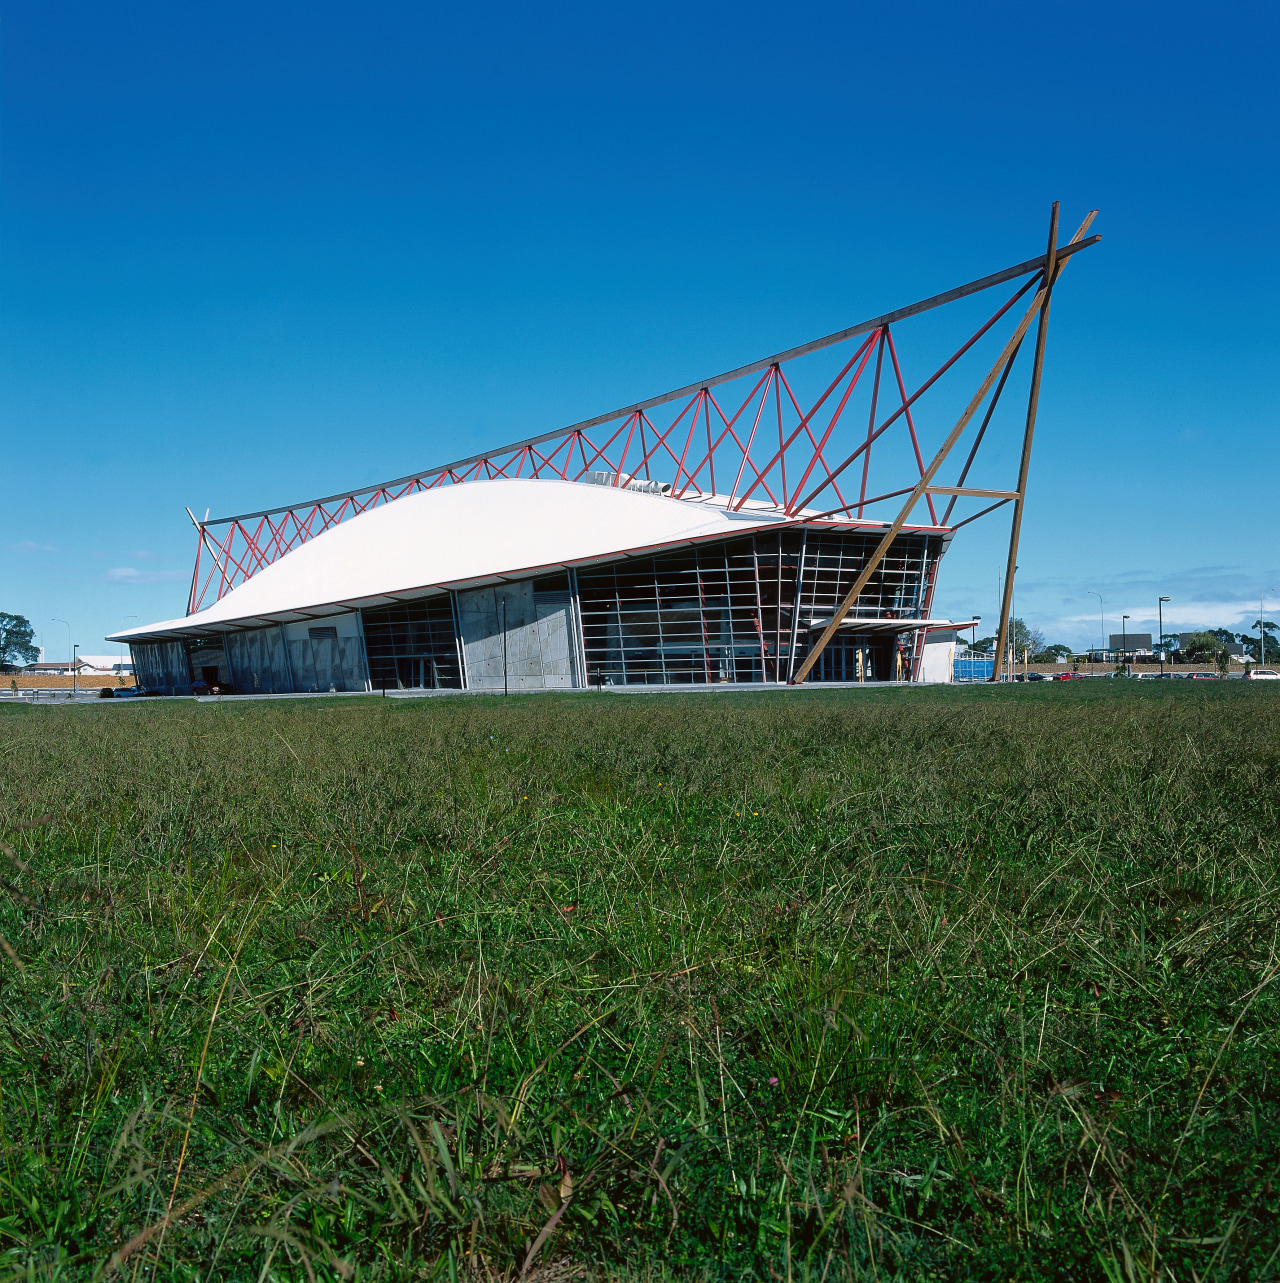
(763, 388)
(708, 460)
(911, 426)
(729, 431)
(922, 389)
(780, 456)
(819, 446)
(871, 420)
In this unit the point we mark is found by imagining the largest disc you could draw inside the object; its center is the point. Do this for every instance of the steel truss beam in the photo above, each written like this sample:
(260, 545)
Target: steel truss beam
(701, 437)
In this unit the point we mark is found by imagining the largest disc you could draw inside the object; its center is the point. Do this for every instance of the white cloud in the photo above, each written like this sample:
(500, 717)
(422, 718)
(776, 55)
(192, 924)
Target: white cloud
(1189, 617)
(30, 545)
(1203, 597)
(129, 575)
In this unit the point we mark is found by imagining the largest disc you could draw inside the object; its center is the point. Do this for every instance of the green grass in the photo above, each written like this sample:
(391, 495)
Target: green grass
(919, 984)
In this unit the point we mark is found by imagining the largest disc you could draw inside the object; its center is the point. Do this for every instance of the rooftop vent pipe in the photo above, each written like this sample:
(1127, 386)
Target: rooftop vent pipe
(625, 482)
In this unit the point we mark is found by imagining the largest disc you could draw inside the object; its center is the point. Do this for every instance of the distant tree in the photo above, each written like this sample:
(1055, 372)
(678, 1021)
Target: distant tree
(1250, 642)
(1024, 638)
(15, 640)
(1054, 654)
(1020, 637)
(1200, 647)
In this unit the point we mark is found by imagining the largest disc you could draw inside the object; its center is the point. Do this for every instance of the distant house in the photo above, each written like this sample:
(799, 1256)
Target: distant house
(85, 666)
(108, 664)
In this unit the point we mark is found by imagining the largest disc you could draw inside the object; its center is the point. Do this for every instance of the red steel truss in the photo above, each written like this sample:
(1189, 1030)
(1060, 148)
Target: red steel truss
(760, 444)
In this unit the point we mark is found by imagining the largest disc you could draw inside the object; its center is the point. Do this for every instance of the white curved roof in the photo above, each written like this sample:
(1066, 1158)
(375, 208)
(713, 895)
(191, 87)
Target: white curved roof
(458, 536)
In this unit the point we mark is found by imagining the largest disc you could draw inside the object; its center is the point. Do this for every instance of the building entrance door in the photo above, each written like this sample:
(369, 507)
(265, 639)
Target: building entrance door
(417, 672)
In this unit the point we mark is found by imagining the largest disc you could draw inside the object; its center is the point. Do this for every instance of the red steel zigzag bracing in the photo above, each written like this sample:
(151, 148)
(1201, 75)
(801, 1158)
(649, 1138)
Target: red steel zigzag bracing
(763, 446)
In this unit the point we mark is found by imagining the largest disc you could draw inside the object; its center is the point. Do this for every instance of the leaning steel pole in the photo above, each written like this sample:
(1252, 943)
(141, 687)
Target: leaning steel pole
(1033, 402)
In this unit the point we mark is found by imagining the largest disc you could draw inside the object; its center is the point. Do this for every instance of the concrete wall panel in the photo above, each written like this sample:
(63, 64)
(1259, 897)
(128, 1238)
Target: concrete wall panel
(538, 638)
(161, 667)
(258, 661)
(335, 664)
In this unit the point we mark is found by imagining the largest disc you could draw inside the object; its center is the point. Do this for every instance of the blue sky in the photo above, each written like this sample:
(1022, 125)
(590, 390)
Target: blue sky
(253, 254)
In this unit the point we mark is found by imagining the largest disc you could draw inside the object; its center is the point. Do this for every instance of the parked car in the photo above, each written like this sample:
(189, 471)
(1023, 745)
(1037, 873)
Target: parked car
(1263, 674)
(1204, 677)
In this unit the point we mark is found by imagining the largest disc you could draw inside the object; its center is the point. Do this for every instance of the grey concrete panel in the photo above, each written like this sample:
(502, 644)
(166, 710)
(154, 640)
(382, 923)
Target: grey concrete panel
(258, 661)
(161, 667)
(334, 663)
(538, 638)
(555, 639)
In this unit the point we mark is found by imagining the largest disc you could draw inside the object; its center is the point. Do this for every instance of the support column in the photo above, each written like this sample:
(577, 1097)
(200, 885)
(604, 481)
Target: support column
(1033, 403)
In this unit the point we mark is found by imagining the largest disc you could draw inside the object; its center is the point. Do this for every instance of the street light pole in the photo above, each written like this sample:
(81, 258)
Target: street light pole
(74, 691)
(1160, 608)
(1124, 646)
(56, 620)
(1102, 621)
(1013, 644)
(120, 673)
(998, 661)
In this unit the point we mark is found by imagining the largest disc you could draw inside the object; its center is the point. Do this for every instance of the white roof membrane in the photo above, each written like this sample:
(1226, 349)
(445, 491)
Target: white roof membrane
(463, 535)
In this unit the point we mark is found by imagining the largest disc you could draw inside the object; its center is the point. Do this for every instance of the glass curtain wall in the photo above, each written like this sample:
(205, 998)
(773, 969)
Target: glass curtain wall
(735, 611)
(413, 645)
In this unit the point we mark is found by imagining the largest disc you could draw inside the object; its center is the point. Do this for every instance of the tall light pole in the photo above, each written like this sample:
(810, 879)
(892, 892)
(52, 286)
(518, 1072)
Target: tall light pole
(1160, 608)
(120, 672)
(1124, 645)
(1262, 634)
(998, 661)
(1013, 644)
(56, 620)
(74, 691)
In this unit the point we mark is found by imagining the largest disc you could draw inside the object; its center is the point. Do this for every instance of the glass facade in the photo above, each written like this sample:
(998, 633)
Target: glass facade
(745, 610)
(413, 645)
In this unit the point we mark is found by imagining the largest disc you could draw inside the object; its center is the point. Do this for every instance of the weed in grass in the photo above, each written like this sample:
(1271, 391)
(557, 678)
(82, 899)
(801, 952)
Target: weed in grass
(951, 983)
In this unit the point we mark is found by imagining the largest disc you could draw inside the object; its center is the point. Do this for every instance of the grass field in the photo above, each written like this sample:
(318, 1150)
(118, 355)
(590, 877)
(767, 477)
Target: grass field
(950, 983)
